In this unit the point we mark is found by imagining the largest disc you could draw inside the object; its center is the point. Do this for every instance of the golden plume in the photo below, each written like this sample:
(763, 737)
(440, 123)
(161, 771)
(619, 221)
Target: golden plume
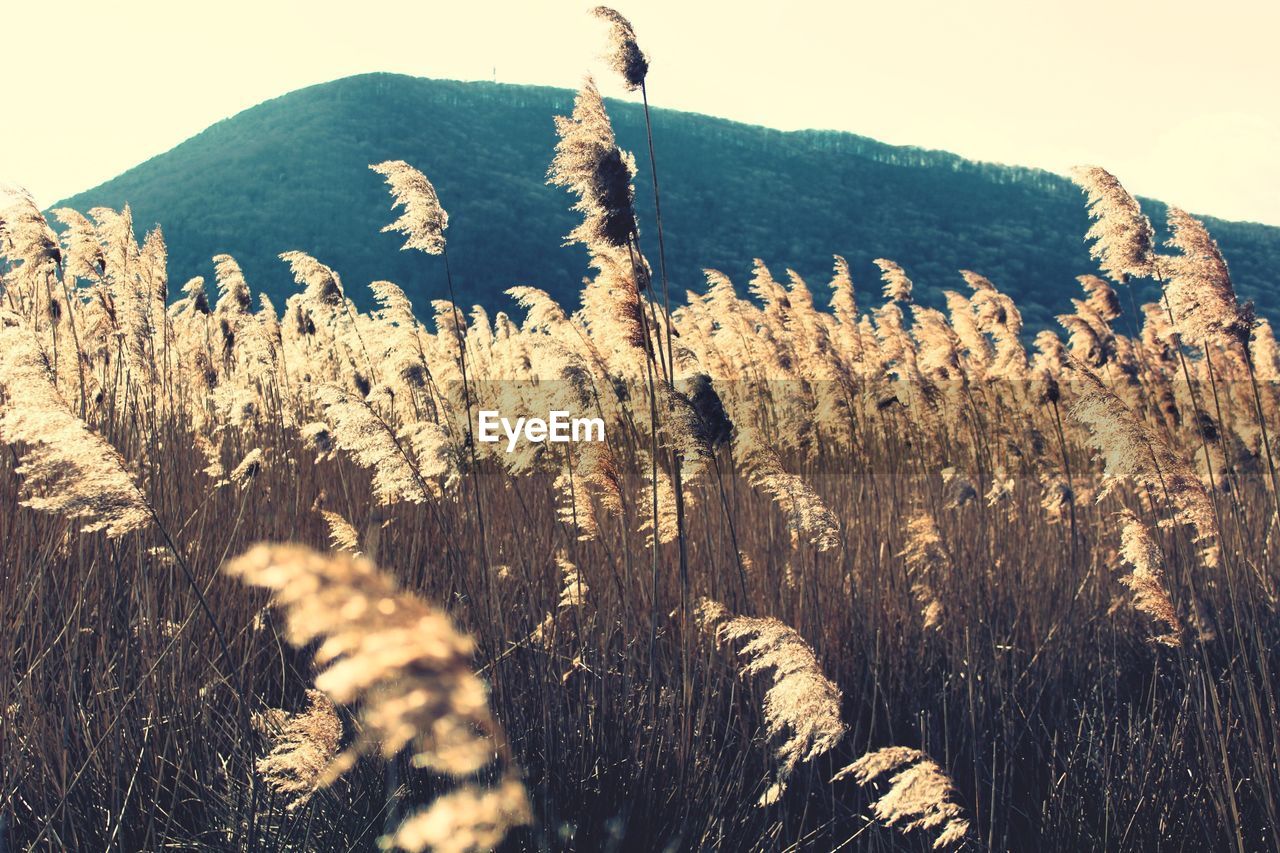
(589, 164)
(424, 221)
(1122, 236)
(1132, 449)
(1146, 581)
(66, 467)
(399, 662)
(801, 706)
(920, 794)
(1201, 296)
(625, 55)
(304, 746)
(897, 287)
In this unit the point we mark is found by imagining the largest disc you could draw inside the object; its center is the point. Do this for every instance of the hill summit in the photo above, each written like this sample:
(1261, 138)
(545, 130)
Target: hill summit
(291, 173)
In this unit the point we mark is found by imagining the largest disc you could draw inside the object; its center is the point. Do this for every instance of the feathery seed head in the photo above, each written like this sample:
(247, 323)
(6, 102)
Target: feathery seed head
(322, 285)
(1200, 293)
(1146, 581)
(920, 795)
(589, 164)
(396, 658)
(802, 706)
(304, 746)
(66, 467)
(897, 287)
(424, 221)
(625, 55)
(467, 820)
(1122, 236)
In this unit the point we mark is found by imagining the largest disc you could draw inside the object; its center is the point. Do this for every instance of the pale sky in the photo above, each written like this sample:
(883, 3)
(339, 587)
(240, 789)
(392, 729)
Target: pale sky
(1177, 98)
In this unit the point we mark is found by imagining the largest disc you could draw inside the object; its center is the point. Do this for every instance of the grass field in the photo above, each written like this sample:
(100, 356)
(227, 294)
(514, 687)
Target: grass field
(852, 577)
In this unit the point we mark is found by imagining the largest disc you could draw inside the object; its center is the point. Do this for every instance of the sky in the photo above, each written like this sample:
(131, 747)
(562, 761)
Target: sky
(1177, 98)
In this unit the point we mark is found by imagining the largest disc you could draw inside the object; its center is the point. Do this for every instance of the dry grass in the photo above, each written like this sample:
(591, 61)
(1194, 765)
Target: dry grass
(1037, 588)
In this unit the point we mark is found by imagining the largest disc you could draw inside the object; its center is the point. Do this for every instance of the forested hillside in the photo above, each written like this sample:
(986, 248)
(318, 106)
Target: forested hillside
(292, 173)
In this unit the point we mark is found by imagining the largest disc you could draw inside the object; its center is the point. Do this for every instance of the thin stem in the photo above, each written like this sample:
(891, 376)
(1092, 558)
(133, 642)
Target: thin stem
(471, 445)
(657, 216)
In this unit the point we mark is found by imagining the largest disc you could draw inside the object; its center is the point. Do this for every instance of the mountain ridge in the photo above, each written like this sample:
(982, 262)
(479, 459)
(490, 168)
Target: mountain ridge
(290, 173)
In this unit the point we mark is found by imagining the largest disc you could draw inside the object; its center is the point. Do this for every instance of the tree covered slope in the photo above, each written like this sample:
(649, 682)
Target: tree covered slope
(292, 173)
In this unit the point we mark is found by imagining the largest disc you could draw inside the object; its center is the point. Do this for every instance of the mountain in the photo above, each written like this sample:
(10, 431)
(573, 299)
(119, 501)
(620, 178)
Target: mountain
(291, 173)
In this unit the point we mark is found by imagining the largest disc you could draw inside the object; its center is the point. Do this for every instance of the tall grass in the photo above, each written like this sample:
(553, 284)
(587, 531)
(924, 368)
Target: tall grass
(854, 578)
